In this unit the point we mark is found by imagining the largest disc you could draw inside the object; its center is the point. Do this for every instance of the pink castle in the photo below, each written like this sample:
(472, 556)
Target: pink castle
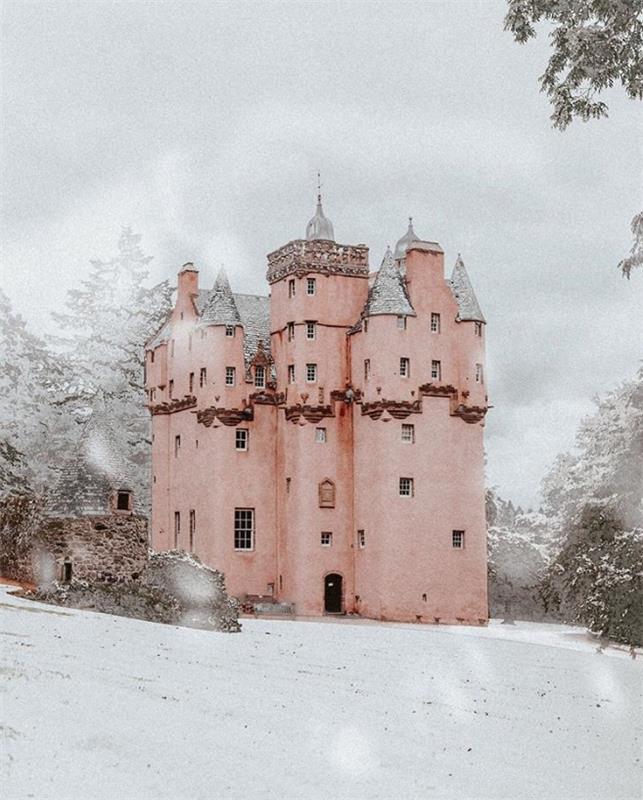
(323, 446)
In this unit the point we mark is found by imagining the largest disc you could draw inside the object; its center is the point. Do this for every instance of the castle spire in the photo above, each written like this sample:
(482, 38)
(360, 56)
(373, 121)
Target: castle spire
(388, 294)
(221, 308)
(320, 227)
(469, 308)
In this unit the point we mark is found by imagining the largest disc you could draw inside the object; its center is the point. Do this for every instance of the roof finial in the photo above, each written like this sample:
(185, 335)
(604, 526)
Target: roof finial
(318, 186)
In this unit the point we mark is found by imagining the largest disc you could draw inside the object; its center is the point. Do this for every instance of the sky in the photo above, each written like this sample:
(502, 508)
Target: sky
(202, 125)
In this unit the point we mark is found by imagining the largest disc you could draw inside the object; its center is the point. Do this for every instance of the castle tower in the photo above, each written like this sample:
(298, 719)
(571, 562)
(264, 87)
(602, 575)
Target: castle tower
(318, 288)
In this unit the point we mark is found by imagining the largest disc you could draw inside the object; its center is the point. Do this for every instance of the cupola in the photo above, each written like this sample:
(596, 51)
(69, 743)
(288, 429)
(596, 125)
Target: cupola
(403, 244)
(320, 227)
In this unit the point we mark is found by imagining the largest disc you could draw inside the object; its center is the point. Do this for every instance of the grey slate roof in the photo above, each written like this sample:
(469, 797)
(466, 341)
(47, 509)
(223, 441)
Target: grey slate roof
(388, 293)
(320, 227)
(221, 308)
(96, 469)
(462, 289)
(254, 313)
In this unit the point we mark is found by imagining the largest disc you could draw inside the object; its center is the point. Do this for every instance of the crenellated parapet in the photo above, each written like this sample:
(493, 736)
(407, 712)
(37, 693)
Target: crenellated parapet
(301, 257)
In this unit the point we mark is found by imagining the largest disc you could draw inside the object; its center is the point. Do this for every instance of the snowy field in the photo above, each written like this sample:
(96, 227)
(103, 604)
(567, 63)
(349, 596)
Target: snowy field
(94, 706)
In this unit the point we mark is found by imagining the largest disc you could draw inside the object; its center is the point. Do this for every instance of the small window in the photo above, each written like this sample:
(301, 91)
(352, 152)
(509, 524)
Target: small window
(177, 446)
(361, 539)
(311, 286)
(326, 539)
(408, 433)
(67, 571)
(244, 528)
(401, 323)
(436, 370)
(479, 374)
(229, 330)
(405, 368)
(241, 438)
(477, 327)
(406, 487)
(311, 373)
(260, 376)
(291, 373)
(457, 539)
(367, 368)
(311, 330)
(177, 529)
(171, 389)
(123, 501)
(191, 382)
(435, 323)
(365, 326)
(291, 287)
(320, 435)
(192, 528)
(152, 356)
(230, 376)
(203, 376)
(291, 331)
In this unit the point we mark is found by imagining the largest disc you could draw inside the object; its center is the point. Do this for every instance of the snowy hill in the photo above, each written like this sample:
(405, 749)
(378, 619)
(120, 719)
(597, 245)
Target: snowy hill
(96, 706)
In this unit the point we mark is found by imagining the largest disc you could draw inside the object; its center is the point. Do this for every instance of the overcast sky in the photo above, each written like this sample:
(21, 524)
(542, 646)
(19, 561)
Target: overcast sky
(203, 124)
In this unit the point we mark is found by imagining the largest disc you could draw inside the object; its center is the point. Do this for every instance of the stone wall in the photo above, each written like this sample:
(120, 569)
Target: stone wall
(105, 548)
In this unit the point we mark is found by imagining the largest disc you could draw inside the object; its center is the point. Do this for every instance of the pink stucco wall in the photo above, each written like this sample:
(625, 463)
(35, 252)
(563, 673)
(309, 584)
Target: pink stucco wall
(408, 568)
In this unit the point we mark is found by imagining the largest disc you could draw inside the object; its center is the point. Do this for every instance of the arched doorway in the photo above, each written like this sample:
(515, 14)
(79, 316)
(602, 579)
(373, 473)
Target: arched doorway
(333, 593)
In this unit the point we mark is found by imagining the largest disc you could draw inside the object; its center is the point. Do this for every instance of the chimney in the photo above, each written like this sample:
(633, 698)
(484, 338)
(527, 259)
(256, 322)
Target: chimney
(188, 283)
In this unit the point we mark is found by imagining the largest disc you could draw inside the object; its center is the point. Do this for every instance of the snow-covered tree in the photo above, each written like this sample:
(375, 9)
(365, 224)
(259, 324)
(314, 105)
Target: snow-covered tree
(635, 258)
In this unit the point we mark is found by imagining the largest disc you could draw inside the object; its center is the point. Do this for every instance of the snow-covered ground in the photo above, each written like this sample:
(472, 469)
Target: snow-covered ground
(94, 706)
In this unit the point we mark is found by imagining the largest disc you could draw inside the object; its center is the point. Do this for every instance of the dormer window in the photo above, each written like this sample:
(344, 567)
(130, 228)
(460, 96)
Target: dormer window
(229, 330)
(291, 287)
(311, 286)
(260, 376)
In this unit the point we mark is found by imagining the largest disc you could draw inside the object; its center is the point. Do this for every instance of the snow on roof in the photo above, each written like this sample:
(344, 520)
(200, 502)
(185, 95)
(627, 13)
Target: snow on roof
(221, 308)
(388, 293)
(460, 285)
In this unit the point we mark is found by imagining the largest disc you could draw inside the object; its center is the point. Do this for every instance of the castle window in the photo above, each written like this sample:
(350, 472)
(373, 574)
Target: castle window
(365, 326)
(367, 368)
(477, 328)
(479, 374)
(361, 539)
(405, 368)
(177, 529)
(291, 373)
(326, 539)
(192, 528)
(291, 287)
(408, 433)
(203, 375)
(436, 371)
(457, 539)
(229, 330)
(320, 435)
(435, 323)
(242, 438)
(177, 446)
(401, 323)
(191, 382)
(171, 389)
(67, 571)
(327, 494)
(260, 376)
(311, 285)
(291, 331)
(311, 373)
(123, 501)
(406, 487)
(230, 376)
(152, 356)
(244, 528)
(310, 330)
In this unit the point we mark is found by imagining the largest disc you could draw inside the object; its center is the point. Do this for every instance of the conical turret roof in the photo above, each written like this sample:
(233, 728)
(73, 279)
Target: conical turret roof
(388, 293)
(221, 308)
(469, 309)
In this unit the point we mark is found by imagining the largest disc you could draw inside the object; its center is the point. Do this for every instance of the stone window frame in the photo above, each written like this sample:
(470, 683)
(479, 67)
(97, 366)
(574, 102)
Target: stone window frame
(457, 539)
(406, 487)
(230, 331)
(401, 322)
(241, 440)
(326, 539)
(407, 433)
(327, 493)
(244, 529)
(230, 376)
(116, 499)
(436, 370)
(311, 330)
(321, 435)
(405, 367)
(311, 283)
(260, 376)
(435, 322)
(311, 373)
